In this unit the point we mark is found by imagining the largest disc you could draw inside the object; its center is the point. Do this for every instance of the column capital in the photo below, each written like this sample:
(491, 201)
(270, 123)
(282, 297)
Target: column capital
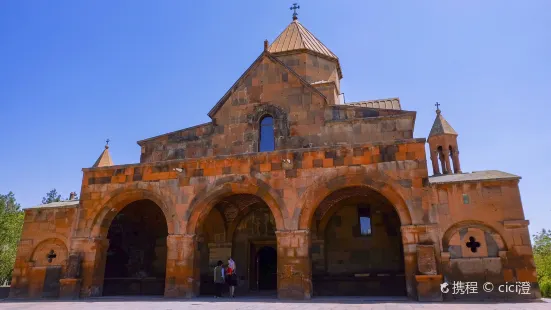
(181, 236)
(292, 232)
(419, 228)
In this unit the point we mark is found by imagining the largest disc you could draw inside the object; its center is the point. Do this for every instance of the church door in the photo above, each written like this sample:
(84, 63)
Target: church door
(51, 282)
(266, 261)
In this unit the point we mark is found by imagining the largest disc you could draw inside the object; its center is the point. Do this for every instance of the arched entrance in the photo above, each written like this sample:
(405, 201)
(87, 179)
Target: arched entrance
(357, 245)
(136, 257)
(242, 227)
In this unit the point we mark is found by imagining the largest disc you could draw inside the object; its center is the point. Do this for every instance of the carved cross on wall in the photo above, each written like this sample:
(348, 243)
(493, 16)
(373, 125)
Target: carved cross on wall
(51, 256)
(473, 244)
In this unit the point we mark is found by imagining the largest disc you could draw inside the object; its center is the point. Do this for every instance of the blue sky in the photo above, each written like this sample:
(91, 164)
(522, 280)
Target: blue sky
(73, 73)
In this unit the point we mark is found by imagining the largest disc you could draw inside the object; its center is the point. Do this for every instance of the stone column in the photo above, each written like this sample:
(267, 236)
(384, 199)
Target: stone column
(182, 274)
(410, 264)
(456, 163)
(434, 160)
(442, 161)
(418, 281)
(447, 161)
(294, 265)
(428, 279)
(94, 255)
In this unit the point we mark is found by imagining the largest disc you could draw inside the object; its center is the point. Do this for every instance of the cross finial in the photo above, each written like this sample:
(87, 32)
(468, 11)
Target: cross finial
(294, 8)
(437, 107)
(107, 143)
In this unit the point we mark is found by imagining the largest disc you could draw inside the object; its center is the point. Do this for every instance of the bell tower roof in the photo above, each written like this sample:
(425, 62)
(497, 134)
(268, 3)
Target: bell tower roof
(104, 160)
(441, 125)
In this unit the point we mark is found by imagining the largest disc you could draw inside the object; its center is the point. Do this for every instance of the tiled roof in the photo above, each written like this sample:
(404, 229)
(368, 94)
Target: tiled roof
(58, 204)
(297, 37)
(388, 104)
(487, 175)
(104, 159)
(441, 126)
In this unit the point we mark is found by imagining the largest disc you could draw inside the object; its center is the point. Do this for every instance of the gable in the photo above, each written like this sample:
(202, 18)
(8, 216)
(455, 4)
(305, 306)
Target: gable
(267, 80)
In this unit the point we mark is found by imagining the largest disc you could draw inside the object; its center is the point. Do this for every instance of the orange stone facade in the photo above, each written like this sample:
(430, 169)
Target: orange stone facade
(325, 153)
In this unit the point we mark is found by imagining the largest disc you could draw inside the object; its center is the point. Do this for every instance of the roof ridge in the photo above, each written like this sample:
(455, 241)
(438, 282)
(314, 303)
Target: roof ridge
(316, 41)
(298, 26)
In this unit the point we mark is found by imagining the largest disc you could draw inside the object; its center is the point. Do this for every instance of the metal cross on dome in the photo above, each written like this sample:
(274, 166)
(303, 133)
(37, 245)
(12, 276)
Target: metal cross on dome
(437, 107)
(294, 8)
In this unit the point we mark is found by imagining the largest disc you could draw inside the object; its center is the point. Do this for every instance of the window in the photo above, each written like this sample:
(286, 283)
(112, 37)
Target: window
(466, 199)
(266, 141)
(365, 220)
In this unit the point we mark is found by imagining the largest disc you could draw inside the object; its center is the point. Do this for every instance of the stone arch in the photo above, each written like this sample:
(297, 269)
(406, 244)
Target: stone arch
(376, 181)
(328, 206)
(281, 123)
(38, 255)
(205, 200)
(119, 199)
(453, 229)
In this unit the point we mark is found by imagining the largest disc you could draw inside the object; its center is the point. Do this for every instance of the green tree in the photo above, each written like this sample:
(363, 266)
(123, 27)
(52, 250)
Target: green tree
(542, 258)
(11, 225)
(51, 196)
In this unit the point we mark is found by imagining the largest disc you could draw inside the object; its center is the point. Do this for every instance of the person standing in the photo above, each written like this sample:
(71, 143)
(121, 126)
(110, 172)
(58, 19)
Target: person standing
(218, 279)
(232, 277)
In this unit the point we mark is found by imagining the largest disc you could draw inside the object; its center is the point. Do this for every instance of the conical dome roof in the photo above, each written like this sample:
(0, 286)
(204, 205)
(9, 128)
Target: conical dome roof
(296, 38)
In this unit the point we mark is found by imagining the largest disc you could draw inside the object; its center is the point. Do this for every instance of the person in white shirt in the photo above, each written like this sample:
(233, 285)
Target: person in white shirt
(232, 276)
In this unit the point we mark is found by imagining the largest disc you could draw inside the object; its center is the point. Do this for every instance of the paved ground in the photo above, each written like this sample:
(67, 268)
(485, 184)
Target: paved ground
(150, 303)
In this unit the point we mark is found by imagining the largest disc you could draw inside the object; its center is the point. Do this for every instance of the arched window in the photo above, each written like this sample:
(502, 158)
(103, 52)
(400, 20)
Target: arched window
(267, 140)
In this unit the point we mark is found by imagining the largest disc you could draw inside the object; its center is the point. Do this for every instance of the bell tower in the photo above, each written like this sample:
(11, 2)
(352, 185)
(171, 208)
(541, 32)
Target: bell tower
(443, 146)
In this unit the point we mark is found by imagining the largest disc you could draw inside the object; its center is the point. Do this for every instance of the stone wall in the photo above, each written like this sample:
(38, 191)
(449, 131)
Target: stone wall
(303, 116)
(46, 234)
(485, 237)
(290, 183)
(348, 253)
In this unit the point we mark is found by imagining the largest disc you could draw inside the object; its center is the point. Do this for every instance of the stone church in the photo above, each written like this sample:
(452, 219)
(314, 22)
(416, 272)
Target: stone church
(309, 195)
